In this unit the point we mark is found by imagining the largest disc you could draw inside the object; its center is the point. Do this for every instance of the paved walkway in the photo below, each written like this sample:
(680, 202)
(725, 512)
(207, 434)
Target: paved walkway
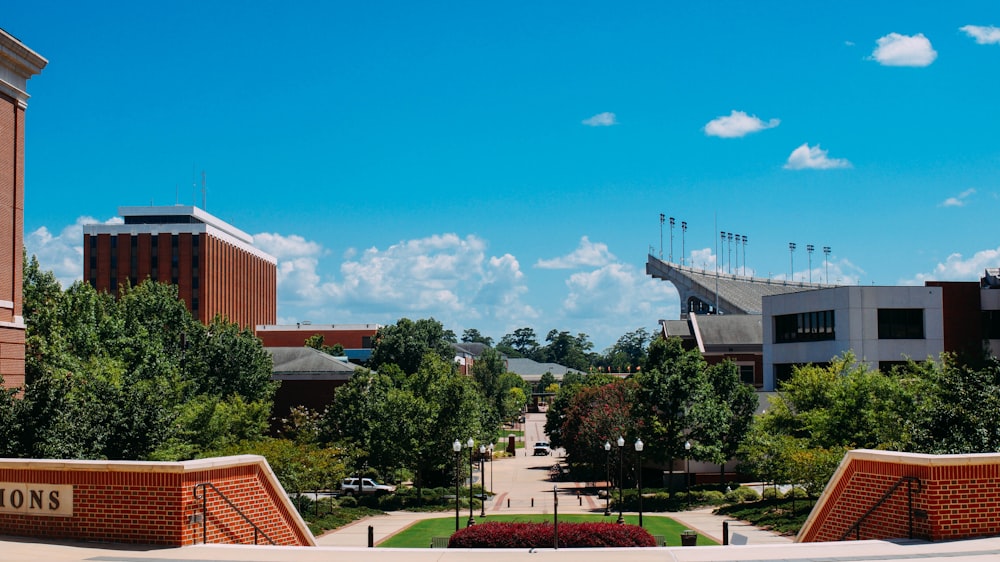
(521, 485)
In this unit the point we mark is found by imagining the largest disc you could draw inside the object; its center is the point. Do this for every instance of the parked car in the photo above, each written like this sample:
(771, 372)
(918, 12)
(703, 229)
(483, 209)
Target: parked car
(351, 486)
(542, 448)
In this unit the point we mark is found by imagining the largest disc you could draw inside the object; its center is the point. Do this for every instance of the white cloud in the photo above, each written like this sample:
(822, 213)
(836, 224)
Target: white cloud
(62, 253)
(587, 254)
(618, 298)
(955, 268)
(904, 50)
(737, 124)
(808, 157)
(959, 200)
(286, 246)
(984, 35)
(605, 119)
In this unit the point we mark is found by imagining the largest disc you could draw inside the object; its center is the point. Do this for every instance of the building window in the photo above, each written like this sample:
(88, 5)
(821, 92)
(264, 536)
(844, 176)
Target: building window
(366, 342)
(900, 323)
(817, 325)
(746, 374)
(991, 324)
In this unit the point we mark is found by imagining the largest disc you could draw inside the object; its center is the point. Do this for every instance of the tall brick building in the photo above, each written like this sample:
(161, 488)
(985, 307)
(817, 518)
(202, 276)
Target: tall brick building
(214, 265)
(18, 63)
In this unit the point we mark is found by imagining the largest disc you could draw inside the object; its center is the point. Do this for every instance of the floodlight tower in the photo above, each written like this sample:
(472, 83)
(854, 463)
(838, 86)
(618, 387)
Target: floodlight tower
(791, 260)
(826, 263)
(684, 229)
(809, 250)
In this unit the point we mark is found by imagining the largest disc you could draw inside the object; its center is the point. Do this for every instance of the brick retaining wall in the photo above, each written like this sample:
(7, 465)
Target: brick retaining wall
(958, 497)
(147, 502)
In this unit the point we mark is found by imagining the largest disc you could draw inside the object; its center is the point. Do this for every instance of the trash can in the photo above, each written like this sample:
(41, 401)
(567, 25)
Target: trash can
(689, 538)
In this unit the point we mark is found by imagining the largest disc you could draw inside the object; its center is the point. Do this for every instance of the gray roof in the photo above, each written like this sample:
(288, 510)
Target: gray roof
(474, 349)
(729, 331)
(307, 363)
(734, 294)
(530, 370)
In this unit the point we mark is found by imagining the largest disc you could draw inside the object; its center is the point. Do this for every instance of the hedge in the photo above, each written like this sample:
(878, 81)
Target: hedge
(541, 535)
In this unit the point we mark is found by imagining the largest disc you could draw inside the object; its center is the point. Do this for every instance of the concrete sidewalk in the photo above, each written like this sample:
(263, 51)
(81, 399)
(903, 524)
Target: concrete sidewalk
(521, 486)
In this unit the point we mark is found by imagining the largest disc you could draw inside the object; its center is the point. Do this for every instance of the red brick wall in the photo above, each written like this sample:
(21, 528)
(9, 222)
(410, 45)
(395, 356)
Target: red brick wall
(958, 497)
(350, 339)
(11, 239)
(233, 283)
(154, 503)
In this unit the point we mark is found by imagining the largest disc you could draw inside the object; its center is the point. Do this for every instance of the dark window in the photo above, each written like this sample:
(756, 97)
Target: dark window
(991, 324)
(782, 373)
(886, 366)
(900, 323)
(746, 374)
(805, 326)
(366, 342)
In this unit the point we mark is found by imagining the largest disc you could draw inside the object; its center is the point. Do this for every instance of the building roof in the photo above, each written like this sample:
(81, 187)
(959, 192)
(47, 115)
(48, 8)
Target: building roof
(729, 332)
(306, 363)
(734, 294)
(177, 219)
(531, 370)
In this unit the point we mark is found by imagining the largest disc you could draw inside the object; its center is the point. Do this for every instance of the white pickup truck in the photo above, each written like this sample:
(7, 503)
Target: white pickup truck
(352, 486)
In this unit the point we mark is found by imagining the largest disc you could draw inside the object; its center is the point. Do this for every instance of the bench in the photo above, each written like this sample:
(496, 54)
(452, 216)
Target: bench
(439, 542)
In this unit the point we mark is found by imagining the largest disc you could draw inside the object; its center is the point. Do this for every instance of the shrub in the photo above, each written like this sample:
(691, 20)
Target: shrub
(796, 492)
(541, 535)
(348, 501)
(713, 497)
(770, 493)
(742, 494)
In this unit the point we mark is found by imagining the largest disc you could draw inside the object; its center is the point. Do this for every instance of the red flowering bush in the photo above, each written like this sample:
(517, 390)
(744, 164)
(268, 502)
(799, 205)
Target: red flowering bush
(540, 535)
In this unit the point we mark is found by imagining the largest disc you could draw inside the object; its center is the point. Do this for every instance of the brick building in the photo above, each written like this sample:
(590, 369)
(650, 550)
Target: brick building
(18, 63)
(357, 339)
(214, 265)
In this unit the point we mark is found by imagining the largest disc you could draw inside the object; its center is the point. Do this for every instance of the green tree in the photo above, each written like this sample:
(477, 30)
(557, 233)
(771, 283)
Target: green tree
(675, 401)
(735, 403)
(567, 350)
(472, 335)
(522, 342)
(406, 342)
(315, 341)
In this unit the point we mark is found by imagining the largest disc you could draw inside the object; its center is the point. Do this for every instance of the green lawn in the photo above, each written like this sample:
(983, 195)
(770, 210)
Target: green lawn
(419, 535)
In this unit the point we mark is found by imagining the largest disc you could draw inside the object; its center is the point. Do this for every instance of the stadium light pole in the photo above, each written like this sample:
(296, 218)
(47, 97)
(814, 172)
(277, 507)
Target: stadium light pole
(809, 250)
(791, 262)
(826, 263)
(684, 229)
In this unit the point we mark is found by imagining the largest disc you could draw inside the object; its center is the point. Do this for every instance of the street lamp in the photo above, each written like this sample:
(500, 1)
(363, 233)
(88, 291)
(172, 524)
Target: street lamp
(638, 465)
(472, 520)
(687, 471)
(457, 447)
(491, 467)
(482, 479)
(621, 479)
(607, 475)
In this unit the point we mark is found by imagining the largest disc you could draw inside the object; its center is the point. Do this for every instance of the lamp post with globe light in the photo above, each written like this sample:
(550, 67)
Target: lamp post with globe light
(607, 474)
(457, 447)
(621, 478)
(638, 468)
(472, 520)
(482, 479)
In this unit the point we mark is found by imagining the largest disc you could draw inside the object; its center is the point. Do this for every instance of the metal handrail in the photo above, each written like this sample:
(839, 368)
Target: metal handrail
(908, 480)
(204, 512)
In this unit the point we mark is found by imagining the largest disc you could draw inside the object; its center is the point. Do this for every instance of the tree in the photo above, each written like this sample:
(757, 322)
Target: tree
(406, 342)
(595, 415)
(736, 403)
(315, 341)
(675, 401)
(521, 343)
(567, 350)
(628, 353)
(472, 335)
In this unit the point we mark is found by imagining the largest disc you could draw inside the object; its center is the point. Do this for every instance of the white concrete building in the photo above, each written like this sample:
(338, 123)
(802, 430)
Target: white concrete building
(881, 325)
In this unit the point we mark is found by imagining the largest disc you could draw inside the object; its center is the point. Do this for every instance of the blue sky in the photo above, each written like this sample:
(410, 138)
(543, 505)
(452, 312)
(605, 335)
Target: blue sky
(500, 165)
